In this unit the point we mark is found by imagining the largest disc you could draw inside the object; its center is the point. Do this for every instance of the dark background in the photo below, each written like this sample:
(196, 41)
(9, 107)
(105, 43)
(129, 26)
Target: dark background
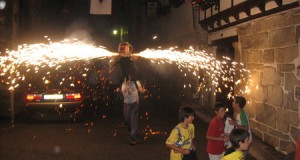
(28, 21)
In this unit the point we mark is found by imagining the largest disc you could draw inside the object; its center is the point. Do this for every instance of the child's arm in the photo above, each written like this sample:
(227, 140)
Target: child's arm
(245, 127)
(193, 138)
(244, 121)
(177, 149)
(170, 143)
(193, 145)
(221, 138)
(212, 132)
(124, 86)
(140, 87)
(232, 122)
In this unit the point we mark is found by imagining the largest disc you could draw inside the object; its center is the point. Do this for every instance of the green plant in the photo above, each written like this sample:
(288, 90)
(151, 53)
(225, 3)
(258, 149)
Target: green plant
(204, 4)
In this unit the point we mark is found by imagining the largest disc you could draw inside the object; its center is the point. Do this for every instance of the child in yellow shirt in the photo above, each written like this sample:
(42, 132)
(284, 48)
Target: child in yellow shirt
(240, 142)
(181, 137)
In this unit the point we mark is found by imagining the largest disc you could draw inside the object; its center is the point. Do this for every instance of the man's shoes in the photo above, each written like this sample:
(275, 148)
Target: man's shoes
(129, 129)
(133, 142)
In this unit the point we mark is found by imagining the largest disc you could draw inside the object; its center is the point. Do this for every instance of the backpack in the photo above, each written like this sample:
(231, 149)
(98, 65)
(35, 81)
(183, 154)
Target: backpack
(141, 96)
(180, 144)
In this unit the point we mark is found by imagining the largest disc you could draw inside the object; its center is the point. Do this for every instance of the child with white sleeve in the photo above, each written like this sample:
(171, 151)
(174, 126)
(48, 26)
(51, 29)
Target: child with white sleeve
(228, 126)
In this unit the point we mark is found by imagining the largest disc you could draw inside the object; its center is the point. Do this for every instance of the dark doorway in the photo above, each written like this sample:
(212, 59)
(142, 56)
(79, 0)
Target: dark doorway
(227, 50)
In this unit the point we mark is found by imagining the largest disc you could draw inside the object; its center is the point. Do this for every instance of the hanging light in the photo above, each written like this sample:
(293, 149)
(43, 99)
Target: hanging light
(2, 4)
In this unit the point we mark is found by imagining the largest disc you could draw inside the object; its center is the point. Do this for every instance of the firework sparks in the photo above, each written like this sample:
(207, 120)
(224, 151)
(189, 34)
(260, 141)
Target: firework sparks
(35, 57)
(148, 131)
(201, 64)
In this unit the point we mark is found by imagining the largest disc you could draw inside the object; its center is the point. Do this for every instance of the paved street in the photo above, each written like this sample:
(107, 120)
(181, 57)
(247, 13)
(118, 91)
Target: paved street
(101, 138)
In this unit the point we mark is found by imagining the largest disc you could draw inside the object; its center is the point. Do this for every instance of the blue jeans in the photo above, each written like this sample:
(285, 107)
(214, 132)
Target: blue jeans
(131, 115)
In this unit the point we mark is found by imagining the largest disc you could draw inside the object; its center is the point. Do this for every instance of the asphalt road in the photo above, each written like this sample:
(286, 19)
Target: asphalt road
(103, 137)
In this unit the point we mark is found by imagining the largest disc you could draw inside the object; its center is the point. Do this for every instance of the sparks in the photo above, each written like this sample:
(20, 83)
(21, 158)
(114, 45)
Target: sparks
(35, 57)
(201, 64)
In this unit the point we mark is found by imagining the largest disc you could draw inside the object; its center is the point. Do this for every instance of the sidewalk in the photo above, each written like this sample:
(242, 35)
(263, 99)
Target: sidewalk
(258, 149)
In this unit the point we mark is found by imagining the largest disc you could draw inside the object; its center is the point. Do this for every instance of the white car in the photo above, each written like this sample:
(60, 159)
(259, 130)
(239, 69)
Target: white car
(54, 104)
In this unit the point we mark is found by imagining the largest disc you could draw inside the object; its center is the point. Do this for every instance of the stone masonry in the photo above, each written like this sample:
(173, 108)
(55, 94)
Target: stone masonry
(269, 47)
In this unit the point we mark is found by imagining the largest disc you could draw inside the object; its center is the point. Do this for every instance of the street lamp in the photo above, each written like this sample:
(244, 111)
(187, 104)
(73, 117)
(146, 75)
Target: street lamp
(115, 32)
(120, 32)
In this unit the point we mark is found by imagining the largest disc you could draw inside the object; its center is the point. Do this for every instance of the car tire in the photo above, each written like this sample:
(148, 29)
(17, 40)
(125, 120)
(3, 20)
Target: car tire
(29, 116)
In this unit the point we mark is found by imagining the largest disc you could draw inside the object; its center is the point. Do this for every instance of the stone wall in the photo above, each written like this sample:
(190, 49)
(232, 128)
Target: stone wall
(269, 48)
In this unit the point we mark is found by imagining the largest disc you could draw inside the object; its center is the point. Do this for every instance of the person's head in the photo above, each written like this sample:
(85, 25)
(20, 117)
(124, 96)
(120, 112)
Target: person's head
(219, 109)
(131, 75)
(239, 139)
(128, 77)
(239, 102)
(125, 48)
(186, 114)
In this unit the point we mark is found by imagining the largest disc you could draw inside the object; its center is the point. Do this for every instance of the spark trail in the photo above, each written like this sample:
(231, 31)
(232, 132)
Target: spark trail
(202, 65)
(17, 64)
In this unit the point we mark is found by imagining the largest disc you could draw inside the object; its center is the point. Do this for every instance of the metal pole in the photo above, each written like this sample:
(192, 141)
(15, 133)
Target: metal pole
(12, 106)
(15, 26)
(193, 12)
(121, 34)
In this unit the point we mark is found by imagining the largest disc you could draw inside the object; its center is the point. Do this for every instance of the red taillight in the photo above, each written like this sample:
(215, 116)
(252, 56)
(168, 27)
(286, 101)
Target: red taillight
(73, 96)
(32, 97)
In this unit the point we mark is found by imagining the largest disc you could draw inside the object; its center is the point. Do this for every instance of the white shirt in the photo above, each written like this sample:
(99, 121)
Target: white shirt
(130, 91)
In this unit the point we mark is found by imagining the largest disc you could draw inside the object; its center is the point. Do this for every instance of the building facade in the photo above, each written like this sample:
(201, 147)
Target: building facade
(264, 35)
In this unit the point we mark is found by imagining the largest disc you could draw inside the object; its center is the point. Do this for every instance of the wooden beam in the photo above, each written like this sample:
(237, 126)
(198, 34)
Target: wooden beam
(246, 7)
(227, 40)
(248, 12)
(236, 16)
(266, 13)
(242, 7)
(262, 7)
(226, 19)
(219, 22)
(278, 2)
(211, 25)
(204, 26)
